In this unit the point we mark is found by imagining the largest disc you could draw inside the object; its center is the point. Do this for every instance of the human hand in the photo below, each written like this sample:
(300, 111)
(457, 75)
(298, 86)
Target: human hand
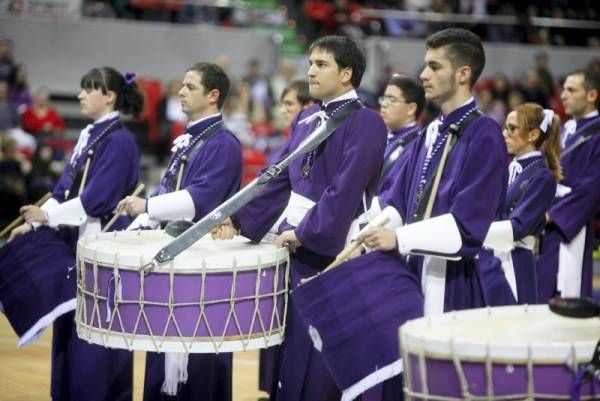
(379, 239)
(33, 214)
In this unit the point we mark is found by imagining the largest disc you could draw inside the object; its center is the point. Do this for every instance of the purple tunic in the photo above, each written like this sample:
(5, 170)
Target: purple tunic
(211, 176)
(397, 152)
(339, 171)
(533, 191)
(472, 189)
(113, 174)
(572, 213)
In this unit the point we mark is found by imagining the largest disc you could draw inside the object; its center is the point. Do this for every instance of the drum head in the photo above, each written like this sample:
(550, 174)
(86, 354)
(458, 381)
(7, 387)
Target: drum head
(133, 249)
(510, 334)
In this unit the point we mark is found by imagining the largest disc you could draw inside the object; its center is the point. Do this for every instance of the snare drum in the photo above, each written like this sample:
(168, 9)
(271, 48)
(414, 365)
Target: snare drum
(504, 353)
(217, 296)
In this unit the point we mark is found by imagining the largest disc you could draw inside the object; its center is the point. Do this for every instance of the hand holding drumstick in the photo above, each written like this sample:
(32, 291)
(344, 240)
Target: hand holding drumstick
(121, 207)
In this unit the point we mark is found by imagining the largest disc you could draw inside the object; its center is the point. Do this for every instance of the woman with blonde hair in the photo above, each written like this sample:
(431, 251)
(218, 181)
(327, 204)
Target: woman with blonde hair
(532, 136)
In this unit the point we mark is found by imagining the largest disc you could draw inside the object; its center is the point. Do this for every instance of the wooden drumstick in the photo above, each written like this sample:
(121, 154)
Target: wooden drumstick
(86, 169)
(346, 252)
(436, 180)
(19, 219)
(119, 210)
(180, 173)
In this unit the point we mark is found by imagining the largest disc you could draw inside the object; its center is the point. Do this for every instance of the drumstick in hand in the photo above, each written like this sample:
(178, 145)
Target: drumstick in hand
(19, 219)
(350, 249)
(118, 212)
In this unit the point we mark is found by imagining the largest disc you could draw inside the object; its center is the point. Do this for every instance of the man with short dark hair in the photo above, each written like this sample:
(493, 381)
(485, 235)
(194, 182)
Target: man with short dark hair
(471, 186)
(441, 204)
(565, 263)
(401, 105)
(204, 171)
(319, 194)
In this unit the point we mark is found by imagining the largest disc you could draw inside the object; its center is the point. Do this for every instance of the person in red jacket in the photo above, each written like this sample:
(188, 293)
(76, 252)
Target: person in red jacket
(40, 118)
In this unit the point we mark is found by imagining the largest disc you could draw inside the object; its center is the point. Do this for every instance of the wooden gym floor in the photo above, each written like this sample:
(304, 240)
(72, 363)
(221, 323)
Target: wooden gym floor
(25, 372)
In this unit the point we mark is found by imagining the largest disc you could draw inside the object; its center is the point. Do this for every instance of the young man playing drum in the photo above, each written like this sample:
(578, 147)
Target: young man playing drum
(471, 186)
(203, 172)
(442, 203)
(320, 194)
(565, 262)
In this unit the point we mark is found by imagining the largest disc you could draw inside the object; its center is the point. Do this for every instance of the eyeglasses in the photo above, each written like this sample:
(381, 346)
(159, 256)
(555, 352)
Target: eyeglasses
(510, 129)
(385, 99)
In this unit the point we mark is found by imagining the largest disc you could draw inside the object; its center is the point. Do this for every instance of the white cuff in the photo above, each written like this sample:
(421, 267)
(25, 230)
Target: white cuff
(50, 204)
(438, 236)
(70, 213)
(143, 220)
(172, 206)
(500, 236)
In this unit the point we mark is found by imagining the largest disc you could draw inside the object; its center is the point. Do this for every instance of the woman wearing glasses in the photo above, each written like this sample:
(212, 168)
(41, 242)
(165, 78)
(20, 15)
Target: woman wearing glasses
(532, 136)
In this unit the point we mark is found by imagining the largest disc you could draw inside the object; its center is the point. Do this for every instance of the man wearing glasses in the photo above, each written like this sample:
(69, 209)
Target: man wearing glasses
(401, 106)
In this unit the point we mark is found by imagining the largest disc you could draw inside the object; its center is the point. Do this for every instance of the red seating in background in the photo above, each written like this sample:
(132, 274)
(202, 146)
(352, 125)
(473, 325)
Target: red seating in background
(253, 161)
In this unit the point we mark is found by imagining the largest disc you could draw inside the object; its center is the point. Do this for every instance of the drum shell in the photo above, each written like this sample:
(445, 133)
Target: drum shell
(455, 368)
(196, 309)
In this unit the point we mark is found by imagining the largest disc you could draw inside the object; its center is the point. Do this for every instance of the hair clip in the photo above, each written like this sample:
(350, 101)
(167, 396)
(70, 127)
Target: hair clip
(129, 78)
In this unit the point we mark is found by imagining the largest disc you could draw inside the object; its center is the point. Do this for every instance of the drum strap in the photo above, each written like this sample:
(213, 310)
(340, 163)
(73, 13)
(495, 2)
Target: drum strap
(395, 153)
(458, 131)
(78, 175)
(586, 135)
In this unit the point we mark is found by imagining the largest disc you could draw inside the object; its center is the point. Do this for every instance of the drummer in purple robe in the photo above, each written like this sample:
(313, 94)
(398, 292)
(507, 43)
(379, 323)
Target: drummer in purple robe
(208, 158)
(80, 205)
(294, 98)
(401, 106)
(508, 262)
(319, 195)
(565, 263)
(469, 197)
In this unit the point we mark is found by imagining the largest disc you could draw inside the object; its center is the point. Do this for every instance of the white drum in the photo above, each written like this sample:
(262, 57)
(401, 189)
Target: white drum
(504, 353)
(217, 296)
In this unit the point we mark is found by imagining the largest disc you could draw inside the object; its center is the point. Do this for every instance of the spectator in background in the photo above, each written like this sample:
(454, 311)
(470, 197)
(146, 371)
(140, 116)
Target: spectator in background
(515, 98)
(40, 118)
(500, 87)
(13, 170)
(9, 116)
(19, 93)
(532, 90)
(6, 59)
(236, 111)
(260, 91)
(543, 71)
(171, 118)
(44, 172)
(283, 78)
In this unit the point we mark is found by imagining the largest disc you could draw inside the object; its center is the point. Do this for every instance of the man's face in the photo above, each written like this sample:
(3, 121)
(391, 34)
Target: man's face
(326, 79)
(394, 108)
(290, 106)
(574, 96)
(438, 76)
(195, 100)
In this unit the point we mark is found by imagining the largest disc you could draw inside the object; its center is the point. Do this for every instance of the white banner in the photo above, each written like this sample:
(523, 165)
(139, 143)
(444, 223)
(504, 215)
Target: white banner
(41, 8)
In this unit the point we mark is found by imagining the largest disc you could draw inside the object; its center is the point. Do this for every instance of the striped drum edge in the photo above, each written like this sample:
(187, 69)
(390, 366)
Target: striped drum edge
(217, 296)
(501, 353)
